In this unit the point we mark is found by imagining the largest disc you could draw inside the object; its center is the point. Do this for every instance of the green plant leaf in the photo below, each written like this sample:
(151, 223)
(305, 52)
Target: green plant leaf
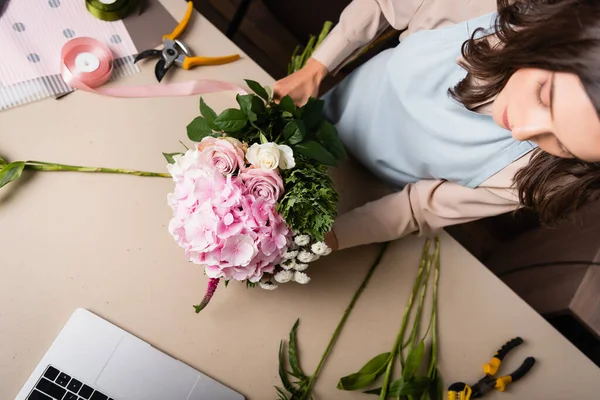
(281, 394)
(294, 132)
(400, 387)
(258, 89)
(312, 113)
(263, 138)
(315, 151)
(169, 157)
(269, 93)
(2, 161)
(293, 353)
(287, 104)
(208, 113)
(413, 361)
(198, 129)
(282, 370)
(436, 387)
(327, 135)
(366, 375)
(11, 172)
(231, 120)
(245, 102)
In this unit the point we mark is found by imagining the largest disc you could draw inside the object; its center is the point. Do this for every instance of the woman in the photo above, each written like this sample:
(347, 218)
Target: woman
(482, 108)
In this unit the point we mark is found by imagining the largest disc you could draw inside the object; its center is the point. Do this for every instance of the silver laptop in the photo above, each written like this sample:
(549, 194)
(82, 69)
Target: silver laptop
(93, 359)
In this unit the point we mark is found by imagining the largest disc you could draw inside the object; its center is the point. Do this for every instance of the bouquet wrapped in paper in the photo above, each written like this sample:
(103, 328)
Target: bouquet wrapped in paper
(253, 199)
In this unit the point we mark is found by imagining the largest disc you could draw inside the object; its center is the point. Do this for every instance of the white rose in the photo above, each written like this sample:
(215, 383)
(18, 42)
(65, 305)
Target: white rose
(267, 286)
(321, 249)
(288, 264)
(300, 267)
(302, 240)
(284, 276)
(301, 278)
(270, 156)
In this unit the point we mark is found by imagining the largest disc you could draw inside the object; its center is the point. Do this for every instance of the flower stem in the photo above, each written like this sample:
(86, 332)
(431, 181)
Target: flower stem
(340, 325)
(45, 166)
(436, 275)
(400, 337)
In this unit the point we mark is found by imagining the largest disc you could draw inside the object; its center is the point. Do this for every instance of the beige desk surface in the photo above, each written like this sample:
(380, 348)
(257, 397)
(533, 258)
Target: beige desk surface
(100, 242)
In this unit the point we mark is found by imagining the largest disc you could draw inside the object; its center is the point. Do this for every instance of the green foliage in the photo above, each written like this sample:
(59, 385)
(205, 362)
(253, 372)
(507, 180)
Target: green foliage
(299, 389)
(309, 204)
(11, 172)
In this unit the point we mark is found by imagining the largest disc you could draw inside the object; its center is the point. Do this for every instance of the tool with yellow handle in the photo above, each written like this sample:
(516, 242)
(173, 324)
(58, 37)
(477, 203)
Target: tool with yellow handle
(175, 52)
(462, 391)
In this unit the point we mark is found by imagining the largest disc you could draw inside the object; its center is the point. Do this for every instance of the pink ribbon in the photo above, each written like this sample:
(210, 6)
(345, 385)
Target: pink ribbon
(91, 80)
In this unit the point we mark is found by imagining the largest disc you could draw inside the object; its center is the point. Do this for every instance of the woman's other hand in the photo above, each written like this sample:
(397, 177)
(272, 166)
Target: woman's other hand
(302, 84)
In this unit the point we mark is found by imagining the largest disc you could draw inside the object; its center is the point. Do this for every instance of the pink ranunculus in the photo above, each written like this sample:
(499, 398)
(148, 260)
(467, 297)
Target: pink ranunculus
(226, 155)
(263, 183)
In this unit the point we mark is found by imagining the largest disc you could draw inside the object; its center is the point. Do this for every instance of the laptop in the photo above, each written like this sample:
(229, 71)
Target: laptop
(92, 359)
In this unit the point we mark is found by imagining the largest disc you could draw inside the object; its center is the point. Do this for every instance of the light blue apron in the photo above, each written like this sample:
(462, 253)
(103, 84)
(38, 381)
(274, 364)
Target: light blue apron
(396, 117)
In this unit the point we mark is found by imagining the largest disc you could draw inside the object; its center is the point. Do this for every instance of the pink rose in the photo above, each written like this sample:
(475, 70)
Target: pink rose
(263, 183)
(224, 154)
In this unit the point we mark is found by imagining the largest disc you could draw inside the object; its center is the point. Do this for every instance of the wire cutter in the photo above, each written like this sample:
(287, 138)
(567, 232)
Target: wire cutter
(462, 391)
(176, 52)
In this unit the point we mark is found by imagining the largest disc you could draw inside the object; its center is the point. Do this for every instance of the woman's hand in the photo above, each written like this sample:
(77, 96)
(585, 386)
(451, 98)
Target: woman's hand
(302, 84)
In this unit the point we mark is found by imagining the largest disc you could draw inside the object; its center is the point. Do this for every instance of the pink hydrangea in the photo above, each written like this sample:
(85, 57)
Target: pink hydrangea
(222, 224)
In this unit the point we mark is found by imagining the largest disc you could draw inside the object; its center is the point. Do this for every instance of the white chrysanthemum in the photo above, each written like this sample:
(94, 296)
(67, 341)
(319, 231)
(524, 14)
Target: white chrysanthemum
(300, 267)
(301, 278)
(288, 264)
(302, 240)
(288, 255)
(284, 276)
(268, 286)
(307, 257)
(321, 249)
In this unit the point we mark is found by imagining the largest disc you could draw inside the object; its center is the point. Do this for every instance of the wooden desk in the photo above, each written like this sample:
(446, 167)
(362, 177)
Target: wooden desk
(100, 242)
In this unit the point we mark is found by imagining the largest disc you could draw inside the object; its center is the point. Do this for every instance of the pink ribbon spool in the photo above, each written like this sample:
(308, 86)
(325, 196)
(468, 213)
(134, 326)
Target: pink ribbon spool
(87, 64)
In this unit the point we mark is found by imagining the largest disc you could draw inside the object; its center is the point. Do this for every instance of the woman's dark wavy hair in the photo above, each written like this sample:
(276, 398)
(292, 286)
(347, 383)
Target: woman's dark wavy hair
(555, 35)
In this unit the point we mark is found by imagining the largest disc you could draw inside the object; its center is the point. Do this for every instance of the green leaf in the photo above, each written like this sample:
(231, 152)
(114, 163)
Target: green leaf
(198, 129)
(263, 138)
(400, 387)
(269, 93)
(231, 120)
(294, 132)
(315, 151)
(169, 157)
(436, 387)
(226, 282)
(281, 394)
(2, 161)
(366, 375)
(327, 135)
(413, 361)
(258, 89)
(312, 112)
(293, 353)
(282, 371)
(287, 104)
(208, 113)
(245, 102)
(11, 172)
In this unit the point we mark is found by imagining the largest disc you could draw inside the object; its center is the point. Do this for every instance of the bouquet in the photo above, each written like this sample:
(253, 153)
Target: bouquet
(252, 199)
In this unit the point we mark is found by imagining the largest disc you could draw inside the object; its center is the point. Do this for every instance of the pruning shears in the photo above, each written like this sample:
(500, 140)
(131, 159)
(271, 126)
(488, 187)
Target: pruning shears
(177, 52)
(462, 391)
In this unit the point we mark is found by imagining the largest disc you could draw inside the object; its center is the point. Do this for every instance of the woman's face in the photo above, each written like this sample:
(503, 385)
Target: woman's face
(552, 110)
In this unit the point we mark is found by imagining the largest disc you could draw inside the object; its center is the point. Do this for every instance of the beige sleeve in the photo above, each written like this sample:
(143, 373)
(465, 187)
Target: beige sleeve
(427, 206)
(359, 24)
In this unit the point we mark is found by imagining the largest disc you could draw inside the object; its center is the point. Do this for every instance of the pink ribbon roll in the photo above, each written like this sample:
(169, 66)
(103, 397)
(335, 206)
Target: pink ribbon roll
(88, 64)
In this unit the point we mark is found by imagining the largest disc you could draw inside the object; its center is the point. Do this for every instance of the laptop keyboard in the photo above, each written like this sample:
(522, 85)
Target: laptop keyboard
(56, 385)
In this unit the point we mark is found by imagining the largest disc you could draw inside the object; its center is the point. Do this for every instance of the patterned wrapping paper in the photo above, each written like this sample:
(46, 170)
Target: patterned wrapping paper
(32, 33)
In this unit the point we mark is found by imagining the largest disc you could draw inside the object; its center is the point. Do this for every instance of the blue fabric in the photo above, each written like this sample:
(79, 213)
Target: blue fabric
(396, 117)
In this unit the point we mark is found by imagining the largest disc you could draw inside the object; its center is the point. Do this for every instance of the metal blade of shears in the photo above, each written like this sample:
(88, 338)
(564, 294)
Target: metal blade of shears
(152, 53)
(160, 70)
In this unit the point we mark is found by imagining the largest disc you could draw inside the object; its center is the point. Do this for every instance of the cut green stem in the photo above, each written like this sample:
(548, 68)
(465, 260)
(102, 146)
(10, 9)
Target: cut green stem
(46, 166)
(340, 325)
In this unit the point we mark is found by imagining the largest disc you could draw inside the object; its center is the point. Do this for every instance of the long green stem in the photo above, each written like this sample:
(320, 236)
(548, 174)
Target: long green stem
(436, 276)
(400, 337)
(340, 325)
(46, 166)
